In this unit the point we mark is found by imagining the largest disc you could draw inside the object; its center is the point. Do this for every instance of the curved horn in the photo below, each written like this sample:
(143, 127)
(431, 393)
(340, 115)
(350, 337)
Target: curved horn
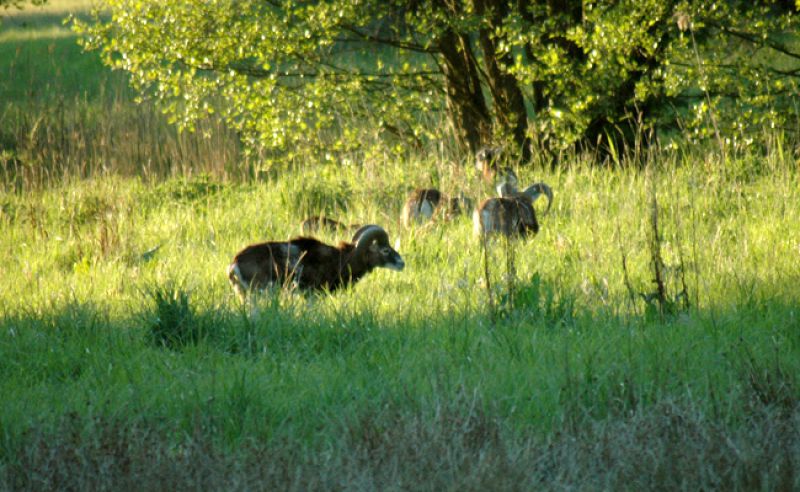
(510, 176)
(368, 233)
(361, 231)
(506, 188)
(536, 190)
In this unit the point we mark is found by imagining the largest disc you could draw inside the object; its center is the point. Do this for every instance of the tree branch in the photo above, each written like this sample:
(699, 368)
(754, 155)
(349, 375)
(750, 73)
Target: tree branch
(752, 38)
(256, 72)
(372, 38)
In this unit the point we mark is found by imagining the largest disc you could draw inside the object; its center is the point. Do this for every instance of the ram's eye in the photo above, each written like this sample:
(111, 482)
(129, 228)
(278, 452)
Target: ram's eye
(386, 250)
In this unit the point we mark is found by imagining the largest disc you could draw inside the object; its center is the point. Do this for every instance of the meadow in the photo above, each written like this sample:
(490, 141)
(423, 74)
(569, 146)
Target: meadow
(128, 363)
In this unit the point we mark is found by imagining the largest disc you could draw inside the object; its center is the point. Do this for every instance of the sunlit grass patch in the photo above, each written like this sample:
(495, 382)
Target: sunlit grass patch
(34, 34)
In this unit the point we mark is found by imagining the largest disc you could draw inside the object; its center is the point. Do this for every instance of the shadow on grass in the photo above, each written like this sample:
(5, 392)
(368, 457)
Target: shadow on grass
(624, 419)
(672, 445)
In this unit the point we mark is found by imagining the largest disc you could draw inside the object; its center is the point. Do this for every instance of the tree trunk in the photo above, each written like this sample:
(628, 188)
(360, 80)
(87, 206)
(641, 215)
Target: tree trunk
(466, 106)
(509, 103)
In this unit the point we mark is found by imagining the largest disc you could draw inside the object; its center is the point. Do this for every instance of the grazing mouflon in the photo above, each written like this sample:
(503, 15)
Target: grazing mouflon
(488, 161)
(512, 213)
(309, 264)
(422, 204)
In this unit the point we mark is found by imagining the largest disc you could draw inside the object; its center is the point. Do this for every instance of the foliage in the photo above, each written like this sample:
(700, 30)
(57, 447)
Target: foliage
(285, 73)
(19, 3)
(638, 65)
(275, 74)
(6, 4)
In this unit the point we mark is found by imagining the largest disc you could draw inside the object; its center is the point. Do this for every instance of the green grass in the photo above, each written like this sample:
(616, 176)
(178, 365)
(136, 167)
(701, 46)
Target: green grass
(63, 114)
(84, 310)
(50, 67)
(41, 61)
(128, 363)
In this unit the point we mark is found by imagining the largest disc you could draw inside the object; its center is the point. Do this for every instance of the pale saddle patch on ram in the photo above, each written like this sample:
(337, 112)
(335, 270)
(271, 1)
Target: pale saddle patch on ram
(426, 209)
(247, 275)
(420, 206)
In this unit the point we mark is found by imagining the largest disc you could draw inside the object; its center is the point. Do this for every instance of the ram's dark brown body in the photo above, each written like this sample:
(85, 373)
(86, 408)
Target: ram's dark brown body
(507, 216)
(309, 264)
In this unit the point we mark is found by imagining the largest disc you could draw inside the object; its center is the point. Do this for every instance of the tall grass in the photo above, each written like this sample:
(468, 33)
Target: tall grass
(407, 367)
(65, 116)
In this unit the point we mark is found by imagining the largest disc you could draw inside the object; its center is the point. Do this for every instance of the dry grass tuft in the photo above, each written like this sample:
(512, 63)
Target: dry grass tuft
(670, 446)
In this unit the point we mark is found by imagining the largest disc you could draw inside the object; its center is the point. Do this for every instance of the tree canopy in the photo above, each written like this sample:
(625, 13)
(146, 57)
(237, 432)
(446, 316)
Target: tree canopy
(286, 73)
